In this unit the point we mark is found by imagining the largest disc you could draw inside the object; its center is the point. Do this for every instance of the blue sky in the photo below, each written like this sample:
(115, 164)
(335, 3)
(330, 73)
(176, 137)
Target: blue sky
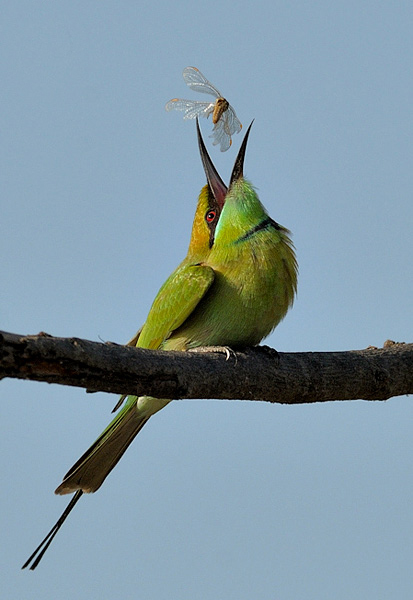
(98, 187)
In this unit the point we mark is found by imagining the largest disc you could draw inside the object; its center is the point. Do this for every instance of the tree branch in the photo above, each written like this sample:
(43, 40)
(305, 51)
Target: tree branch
(258, 373)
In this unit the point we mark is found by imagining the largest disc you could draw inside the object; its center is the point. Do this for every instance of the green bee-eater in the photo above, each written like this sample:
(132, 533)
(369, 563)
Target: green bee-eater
(234, 286)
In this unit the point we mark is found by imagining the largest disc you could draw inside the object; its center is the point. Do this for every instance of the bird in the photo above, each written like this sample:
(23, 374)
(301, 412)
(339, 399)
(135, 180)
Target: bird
(236, 283)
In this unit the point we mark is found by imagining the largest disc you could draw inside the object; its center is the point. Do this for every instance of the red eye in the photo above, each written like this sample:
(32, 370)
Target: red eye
(210, 216)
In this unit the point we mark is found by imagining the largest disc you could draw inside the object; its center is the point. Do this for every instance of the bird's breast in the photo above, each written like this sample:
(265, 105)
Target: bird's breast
(252, 290)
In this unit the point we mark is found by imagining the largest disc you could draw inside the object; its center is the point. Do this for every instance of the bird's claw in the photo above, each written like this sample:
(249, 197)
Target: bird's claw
(218, 349)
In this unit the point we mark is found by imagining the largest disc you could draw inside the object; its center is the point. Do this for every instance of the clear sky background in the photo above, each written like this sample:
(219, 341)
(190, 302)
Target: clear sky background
(98, 188)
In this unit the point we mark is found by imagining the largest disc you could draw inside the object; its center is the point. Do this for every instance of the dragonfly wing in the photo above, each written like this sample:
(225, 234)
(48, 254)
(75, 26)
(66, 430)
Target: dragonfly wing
(179, 104)
(221, 135)
(233, 124)
(197, 82)
(192, 108)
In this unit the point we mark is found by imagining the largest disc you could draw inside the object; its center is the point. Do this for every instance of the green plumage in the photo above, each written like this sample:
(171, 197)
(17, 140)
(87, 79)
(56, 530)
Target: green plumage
(234, 286)
(231, 294)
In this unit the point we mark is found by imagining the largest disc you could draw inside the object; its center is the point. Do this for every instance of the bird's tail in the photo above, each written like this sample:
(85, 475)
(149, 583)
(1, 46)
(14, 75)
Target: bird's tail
(89, 472)
(92, 468)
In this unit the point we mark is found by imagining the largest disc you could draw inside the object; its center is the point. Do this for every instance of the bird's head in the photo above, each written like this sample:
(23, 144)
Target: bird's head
(223, 213)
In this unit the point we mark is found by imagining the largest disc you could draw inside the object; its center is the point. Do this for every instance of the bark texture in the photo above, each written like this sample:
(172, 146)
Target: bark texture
(258, 373)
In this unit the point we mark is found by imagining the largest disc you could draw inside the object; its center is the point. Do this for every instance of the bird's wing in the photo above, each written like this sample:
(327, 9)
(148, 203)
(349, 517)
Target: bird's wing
(175, 301)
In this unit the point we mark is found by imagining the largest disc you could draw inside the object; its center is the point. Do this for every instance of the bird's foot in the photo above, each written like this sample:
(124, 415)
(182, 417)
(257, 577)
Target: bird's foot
(218, 349)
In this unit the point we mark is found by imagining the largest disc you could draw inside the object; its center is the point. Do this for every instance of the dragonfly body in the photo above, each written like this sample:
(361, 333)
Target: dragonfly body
(220, 106)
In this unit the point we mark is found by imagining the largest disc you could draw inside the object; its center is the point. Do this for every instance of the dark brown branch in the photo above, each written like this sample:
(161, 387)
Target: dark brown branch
(256, 374)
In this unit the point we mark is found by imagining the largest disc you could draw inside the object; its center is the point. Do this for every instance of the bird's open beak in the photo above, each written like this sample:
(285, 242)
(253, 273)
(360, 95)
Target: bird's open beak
(217, 186)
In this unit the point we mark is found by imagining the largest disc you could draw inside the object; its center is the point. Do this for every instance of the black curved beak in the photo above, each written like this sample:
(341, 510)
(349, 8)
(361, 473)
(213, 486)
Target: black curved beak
(238, 170)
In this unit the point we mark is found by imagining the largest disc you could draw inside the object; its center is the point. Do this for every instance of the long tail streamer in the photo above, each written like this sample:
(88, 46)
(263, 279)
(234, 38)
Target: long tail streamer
(37, 555)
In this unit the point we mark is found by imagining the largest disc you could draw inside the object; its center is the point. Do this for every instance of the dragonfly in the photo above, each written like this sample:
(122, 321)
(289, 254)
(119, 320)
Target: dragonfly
(225, 121)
